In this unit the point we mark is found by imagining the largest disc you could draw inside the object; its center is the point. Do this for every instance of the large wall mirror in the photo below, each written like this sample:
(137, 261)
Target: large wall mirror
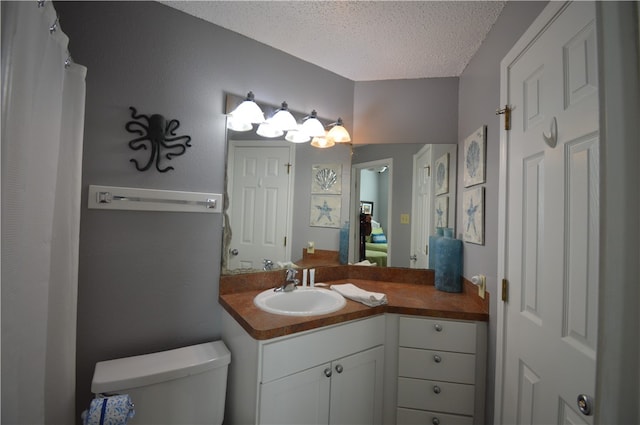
(273, 207)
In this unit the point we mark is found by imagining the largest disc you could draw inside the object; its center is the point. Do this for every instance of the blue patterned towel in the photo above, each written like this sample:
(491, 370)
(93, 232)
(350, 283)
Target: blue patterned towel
(111, 410)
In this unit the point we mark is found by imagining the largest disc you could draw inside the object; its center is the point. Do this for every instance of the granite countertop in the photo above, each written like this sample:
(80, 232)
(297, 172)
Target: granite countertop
(409, 291)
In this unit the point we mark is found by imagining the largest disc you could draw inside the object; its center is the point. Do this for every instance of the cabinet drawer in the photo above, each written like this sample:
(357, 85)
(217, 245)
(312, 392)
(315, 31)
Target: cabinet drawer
(436, 365)
(438, 334)
(436, 395)
(420, 417)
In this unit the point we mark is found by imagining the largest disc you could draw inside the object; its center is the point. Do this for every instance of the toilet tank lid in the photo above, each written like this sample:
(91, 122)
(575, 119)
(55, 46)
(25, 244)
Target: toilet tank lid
(148, 369)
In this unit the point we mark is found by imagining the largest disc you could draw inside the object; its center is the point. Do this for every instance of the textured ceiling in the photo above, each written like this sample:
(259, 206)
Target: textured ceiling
(361, 40)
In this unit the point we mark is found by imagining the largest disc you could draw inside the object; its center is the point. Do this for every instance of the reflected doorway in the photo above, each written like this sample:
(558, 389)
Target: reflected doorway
(371, 201)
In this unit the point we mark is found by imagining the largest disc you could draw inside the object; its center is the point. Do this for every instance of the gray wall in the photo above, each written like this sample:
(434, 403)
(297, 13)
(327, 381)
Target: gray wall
(149, 281)
(406, 111)
(479, 98)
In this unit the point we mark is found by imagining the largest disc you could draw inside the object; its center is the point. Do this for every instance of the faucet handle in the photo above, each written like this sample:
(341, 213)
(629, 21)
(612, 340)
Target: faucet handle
(291, 274)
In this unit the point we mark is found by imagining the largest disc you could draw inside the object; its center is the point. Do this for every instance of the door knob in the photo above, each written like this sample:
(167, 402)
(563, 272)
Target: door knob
(339, 368)
(414, 257)
(327, 372)
(585, 404)
(233, 251)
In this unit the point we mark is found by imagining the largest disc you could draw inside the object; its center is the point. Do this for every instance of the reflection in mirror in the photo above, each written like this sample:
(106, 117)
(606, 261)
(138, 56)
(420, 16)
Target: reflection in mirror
(404, 211)
(270, 215)
(401, 182)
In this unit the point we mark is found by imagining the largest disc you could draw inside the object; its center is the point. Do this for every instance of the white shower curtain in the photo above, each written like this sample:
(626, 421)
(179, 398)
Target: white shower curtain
(42, 128)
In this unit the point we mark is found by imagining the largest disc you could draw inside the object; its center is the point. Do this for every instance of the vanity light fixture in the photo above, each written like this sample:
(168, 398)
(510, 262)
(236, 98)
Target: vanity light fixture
(297, 136)
(283, 119)
(248, 111)
(312, 126)
(322, 142)
(269, 129)
(235, 124)
(338, 133)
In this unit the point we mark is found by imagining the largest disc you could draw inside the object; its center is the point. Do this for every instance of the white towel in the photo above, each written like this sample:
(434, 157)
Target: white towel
(111, 410)
(365, 263)
(351, 291)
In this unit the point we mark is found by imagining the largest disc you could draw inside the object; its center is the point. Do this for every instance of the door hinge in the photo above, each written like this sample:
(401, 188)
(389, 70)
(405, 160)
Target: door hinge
(426, 250)
(285, 241)
(506, 111)
(288, 165)
(505, 290)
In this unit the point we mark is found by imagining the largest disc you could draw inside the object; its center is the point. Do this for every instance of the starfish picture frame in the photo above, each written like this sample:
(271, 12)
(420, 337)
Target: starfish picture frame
(325, 211)
(473, 215)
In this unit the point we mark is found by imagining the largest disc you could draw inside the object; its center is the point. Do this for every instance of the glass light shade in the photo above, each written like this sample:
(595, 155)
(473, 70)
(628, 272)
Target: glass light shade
(283, 119)
(339, 134)
(312, 126)
(267, 129)
(249, 111)
(296, 136)
(235, 124)
(322, 142)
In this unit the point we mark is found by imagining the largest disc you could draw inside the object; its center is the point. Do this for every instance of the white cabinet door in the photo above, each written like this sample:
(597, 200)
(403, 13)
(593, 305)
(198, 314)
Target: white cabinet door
(301, 398)
(356, 388)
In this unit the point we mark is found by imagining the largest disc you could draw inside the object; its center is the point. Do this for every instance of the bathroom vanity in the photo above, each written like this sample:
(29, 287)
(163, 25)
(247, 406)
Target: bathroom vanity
(387, 364)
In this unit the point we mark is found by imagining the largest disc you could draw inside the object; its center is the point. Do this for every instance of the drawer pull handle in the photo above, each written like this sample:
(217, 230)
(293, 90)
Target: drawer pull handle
(339, 368)
(437, 358)
(438, 327)
(327, 372)
(435, 421)
(436, 389)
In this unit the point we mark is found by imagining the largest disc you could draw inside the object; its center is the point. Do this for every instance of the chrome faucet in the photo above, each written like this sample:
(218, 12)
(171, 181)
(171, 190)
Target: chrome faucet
(268, 264)
(290, 282)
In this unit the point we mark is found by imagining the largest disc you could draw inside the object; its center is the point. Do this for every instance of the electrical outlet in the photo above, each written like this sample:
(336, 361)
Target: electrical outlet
(311, 247)
(481, 282)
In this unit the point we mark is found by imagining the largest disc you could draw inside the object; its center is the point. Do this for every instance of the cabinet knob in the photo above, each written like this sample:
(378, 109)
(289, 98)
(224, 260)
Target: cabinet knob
(436, 389)
(327, 372)
(435, 421)
(339, 368)
(437, 358)
(438, 327)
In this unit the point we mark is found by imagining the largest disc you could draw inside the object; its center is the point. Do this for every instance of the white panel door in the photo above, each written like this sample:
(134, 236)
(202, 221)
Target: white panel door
(549, 226)
(421, 206)
(259, 205)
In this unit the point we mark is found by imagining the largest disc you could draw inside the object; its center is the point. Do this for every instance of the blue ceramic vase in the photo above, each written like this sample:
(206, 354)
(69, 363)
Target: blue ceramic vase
(344, 243)
(433, 240)
(448, 263)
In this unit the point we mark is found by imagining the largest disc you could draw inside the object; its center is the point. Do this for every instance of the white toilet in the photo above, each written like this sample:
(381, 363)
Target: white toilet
(182, 386)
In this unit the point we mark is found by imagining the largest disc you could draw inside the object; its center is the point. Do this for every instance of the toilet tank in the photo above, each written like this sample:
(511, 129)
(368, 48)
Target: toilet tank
(182, 386)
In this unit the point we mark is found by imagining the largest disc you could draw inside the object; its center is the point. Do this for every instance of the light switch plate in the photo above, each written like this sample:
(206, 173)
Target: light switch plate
(311, 247)
(404, 218)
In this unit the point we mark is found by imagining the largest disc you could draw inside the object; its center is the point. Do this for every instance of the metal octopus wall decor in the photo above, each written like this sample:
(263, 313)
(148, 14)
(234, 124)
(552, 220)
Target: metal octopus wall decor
(158, 134)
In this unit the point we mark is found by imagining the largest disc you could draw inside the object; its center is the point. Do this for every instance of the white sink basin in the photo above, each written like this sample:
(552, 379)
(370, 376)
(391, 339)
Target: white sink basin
(300, 302)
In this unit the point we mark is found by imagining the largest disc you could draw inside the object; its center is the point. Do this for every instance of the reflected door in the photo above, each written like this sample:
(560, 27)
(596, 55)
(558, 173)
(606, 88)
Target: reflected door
(259, 205)
(421, 206)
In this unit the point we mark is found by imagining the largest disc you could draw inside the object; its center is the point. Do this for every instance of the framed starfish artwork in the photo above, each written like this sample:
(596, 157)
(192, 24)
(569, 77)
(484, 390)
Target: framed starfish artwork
(325, 211)
(441, 211)
(473, 215)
